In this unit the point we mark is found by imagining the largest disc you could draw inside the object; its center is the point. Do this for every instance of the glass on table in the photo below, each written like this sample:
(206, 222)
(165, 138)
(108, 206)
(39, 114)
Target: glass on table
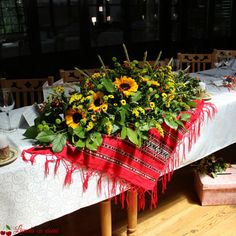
(219, 62)
(7, 104)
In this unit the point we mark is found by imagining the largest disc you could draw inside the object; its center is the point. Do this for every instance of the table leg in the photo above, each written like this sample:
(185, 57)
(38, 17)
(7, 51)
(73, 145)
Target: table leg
(132, 214)
(105, 218)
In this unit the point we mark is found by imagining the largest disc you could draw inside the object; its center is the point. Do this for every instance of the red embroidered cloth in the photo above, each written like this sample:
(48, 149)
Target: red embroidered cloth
(122, 161)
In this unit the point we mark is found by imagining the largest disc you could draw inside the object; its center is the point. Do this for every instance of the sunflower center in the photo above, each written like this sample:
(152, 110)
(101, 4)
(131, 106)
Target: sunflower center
(97, 102)
(77, 117)
(125, 86)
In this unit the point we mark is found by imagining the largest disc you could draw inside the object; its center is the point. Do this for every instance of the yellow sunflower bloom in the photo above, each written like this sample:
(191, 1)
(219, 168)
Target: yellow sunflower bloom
(126, 85)
(74, 116)
(97, 102)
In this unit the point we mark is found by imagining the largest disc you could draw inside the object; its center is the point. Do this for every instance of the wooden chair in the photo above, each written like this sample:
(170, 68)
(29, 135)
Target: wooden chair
(26, 91)
(75, 75)
(196, 61)
(224, 54)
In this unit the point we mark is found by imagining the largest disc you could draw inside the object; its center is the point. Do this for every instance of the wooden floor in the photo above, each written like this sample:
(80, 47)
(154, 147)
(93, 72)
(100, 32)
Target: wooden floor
(178, 213)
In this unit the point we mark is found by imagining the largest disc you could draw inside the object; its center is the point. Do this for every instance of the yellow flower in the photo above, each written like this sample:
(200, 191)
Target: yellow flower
(152, 104)
(164, 95)
(150, 82)
(75, 97)
(126, 85)
(59, 89)
(93, 117)
(104, 106)
(123, 102)
(89, 126)
(96, 75)
(97, 102)
(135, 112)
(74, 116)
(109, 127)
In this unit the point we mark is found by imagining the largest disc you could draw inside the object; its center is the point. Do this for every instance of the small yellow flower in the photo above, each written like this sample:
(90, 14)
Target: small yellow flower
(123, 102)
(115, 104)
(104, 106)
(59, 89)
(109, 127)
(140, 109)
(135, 112)
(75, 97)
(152, 104)
(93, 117)
(111, 96)
(164, 95)
(96, 75)
(89, 126)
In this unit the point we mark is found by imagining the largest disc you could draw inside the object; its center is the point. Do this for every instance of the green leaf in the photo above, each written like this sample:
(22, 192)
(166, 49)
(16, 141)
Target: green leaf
(123, 132)
(79, 131)
(122, 116)
(144, 127)
(179, 123)
(91, 145)
(46, 136)
(184, 116)
(136, 96)
(132, 135)
(115, 128)
(80, 143)
(8, 227)
(192, 104)
(96, 137)
(171, 123)
(109, 86)
(31, 132)
(59, 142)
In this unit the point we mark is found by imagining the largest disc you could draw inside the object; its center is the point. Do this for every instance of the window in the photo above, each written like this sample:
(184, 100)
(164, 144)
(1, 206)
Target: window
(59, 25)
(106, 23)
(13, 40)
(12, 17)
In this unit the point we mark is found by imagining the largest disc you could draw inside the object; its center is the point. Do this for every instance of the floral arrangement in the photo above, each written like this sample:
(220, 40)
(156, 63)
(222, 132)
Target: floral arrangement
(211, 165)
(126, 100)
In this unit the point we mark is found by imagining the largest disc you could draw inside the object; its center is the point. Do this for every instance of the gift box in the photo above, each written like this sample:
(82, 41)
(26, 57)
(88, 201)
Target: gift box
(220, 190)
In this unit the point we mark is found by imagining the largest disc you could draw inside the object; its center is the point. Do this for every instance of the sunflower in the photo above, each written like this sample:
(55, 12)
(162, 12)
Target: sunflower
(97, 102)
(126, 85)
(74, 116)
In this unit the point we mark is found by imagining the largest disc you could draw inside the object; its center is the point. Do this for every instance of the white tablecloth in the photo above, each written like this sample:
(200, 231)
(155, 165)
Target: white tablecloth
(28, 198)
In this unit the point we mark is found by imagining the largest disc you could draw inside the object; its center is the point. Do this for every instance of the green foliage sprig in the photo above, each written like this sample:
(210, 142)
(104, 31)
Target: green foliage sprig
(212, 166)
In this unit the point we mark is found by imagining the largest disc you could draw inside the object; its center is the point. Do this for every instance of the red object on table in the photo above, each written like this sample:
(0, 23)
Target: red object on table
(122, 161)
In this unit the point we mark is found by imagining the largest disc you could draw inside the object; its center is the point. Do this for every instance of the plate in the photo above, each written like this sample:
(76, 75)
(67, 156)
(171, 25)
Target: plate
(205, 96)
(12, 157)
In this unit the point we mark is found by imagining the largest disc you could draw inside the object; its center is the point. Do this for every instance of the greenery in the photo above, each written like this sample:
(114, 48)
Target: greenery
(212, 165)
(126, 100)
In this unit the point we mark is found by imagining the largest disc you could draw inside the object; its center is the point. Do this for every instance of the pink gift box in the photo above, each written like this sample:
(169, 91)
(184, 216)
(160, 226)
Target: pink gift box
(217, 191)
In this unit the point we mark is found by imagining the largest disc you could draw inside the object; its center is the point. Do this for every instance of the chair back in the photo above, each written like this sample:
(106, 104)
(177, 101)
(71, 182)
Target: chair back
(75, 75)
(26, 91)
(196, 61)
(223, 54)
